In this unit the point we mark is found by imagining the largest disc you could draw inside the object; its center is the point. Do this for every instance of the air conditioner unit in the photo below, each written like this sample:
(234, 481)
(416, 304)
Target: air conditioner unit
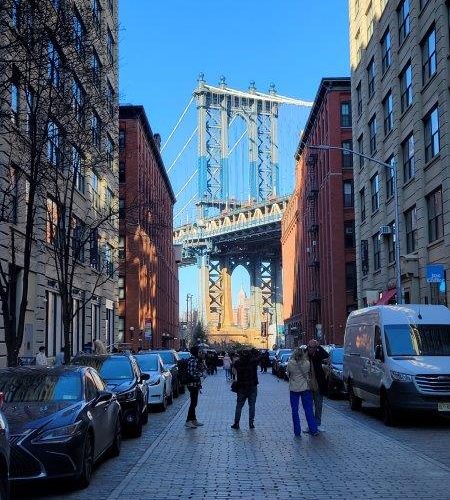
(385, 230)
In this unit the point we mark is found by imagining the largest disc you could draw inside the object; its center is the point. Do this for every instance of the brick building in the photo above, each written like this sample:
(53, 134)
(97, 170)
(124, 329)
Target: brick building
(148, 275)
(318, 245)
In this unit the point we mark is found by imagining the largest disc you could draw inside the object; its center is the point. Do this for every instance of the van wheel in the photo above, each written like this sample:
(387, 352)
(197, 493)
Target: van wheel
(389, 416)
(354, 401)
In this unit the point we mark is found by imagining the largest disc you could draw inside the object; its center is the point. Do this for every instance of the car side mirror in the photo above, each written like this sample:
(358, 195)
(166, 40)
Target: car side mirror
(379, 353)
(145, 376)
(104, 396)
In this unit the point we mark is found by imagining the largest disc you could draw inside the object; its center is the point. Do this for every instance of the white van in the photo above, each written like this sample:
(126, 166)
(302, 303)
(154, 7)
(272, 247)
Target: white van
(398, 357)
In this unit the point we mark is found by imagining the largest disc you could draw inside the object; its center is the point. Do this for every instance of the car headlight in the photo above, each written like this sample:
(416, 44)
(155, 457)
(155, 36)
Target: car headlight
(401, 377)
(127, 396)
(59, 434)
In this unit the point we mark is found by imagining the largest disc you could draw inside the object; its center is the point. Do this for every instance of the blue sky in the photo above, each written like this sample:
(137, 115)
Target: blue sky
(164, 45)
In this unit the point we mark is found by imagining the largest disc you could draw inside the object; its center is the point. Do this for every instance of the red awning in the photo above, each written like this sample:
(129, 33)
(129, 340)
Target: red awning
(385, 297)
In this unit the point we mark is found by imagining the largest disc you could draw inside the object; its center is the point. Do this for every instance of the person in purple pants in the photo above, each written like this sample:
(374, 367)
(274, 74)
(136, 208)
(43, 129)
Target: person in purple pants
(299, 373)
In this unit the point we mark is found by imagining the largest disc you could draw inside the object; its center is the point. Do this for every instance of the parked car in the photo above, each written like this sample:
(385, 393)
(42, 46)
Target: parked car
(170, 359)
(184, 354)
(398, 357)
(282, 366)
(123, 377)
(160, 382)
(332, 368)
(277, 360)
(271, 357)
(61, 421)
(4, 454)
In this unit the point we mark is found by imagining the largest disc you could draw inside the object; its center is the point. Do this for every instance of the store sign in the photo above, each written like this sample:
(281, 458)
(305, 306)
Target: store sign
(435, 273)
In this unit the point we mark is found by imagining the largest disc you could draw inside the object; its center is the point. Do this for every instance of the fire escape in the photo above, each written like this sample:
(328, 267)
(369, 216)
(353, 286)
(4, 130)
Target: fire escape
(312, 191)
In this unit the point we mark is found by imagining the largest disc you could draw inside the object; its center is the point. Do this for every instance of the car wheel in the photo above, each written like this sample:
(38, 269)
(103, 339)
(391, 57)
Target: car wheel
(390, 416)
(117, 443)
(354, 401)
(87, 464)
(330, 390)
(182, 389)
(136, 431)
(163, 405)
(144, 416)
(176, 391)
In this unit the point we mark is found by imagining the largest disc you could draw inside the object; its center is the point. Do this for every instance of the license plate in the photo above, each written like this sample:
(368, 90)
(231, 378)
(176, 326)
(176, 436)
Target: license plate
(443, 406)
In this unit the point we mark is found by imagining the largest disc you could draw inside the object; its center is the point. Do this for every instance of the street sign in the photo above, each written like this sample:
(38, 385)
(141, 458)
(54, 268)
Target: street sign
(435, 273)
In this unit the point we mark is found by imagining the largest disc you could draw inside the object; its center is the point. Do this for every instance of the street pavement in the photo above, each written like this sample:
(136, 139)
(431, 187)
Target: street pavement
(356, 457)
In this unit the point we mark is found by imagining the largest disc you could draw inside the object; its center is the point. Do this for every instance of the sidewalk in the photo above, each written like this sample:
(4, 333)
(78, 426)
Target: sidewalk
(349, 460)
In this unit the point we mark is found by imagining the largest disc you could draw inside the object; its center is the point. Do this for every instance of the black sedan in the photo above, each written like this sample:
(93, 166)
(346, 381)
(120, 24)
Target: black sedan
(332, 368)
(61, 421)
(4, 454)
(123, 377)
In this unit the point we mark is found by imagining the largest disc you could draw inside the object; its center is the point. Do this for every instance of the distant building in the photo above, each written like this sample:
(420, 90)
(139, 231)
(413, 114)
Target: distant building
(318, 240)
(148, 274)
(400, 80)
(241, 314)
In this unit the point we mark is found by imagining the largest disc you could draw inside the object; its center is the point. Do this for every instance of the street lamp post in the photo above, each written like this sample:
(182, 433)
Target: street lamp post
(393, 169)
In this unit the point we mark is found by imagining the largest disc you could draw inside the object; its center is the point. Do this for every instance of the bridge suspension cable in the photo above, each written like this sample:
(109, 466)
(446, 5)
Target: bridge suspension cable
(187, 183)
(185, 206)
(182, 150)
(186, 109)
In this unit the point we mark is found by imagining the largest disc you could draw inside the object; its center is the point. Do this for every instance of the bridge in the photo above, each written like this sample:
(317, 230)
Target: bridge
(229, 231)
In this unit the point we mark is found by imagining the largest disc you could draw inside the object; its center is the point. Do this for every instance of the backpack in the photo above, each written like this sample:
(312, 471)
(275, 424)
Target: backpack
(183, 374)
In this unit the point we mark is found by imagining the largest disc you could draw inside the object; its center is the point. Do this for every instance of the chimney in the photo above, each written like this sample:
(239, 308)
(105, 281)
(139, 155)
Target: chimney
(157, 139)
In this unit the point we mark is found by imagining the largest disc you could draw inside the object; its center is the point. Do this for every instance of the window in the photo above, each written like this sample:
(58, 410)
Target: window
(359, 98)
(51, 221)
(411, 229)
(121, 248)
(96, 70)
(15, 101)
(109, 199)
(15, 13)
(79, 31)
(108, 256)
(29, 118)
(346, 114)
(348, 194)
(96, 127)
(432, 146)
(347, 156)
(121, 208)
(386, 51)
(371, 77)
(361, 150)
(95, 187)
(78, 236)
(406, 87)
(350, 277)
(375, 192)
(404, 20)
(435, 217)
(121, 328)
(54, 144)
(95, 319)
(390, 178)
(78, 101)
(391, 244)
(110, 152)
(362, 204)
(78, 169)
(96, 14)
(110, 98)
(373, 134)
(110, 47)
(376, 247)
(349, 234)
(429, 61)
(408, 158)
(54, 66)
(388, 113)
(364, 257)
(121, 285)
(122, 137)
(122, 171)
(93, 249)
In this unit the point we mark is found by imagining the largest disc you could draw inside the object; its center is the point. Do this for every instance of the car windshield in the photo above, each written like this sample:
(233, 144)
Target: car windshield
(147, 362)
(40, 387)
(184, 355)
(271, 353)
(285, 357)
(110, 368)
(167, 357)
(337, 356)
(417, 340)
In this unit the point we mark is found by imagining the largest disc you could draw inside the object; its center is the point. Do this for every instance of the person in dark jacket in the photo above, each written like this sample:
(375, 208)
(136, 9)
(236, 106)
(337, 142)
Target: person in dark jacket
(247, 381)
(195, 371)
(317, 355)
(265, 361)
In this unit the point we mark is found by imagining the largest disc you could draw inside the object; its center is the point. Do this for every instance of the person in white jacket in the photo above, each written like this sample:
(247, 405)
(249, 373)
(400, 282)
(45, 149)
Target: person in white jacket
(299, 373)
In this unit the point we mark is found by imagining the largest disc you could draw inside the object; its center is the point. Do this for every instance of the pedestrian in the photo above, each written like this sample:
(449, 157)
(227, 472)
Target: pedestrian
(99, 347)
(234, 358)
(194, 371)
(246, 385)
(227, 366)
(59, 358)
(317, 355)
(41, 358)
(299, 373)
(265, 361)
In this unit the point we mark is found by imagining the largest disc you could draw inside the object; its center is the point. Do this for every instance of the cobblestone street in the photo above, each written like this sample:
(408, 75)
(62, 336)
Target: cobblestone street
(356, 457)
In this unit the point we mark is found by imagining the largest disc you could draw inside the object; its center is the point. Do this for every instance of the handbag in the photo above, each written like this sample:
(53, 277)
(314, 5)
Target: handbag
(234, 386)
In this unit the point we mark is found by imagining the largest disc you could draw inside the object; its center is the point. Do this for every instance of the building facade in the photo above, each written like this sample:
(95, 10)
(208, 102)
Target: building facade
(148, 273)
(318, 233)
(400, 80)
(58, 173)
